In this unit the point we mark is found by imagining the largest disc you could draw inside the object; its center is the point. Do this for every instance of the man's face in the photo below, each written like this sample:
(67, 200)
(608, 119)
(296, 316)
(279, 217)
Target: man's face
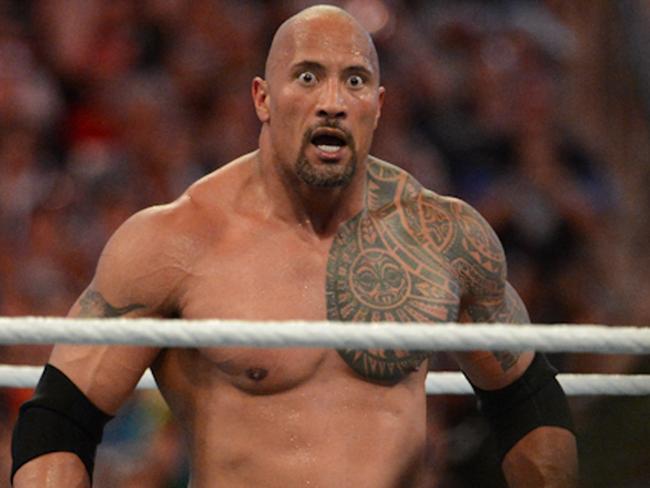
(323, 100)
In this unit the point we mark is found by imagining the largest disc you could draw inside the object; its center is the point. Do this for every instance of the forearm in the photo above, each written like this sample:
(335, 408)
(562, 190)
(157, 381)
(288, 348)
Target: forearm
(54, 470)
(545, 457)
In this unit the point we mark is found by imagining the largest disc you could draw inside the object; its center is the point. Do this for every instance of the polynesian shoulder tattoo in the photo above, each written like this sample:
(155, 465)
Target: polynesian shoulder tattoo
(409, 257)
(93, 304)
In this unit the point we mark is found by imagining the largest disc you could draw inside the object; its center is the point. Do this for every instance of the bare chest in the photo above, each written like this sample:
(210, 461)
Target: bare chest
(275, 278)
(371, 271)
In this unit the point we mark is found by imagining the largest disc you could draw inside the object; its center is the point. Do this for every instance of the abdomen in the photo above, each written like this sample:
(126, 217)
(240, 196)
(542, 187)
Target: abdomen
(335, 430)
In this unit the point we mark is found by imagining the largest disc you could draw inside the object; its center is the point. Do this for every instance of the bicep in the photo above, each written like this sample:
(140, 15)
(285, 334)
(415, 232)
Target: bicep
(137, 275)
(123, 286)
(491, 370)
(505, 308)
(105, 374)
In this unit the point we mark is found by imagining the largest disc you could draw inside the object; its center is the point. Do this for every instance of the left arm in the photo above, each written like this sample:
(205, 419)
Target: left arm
(526, 408)
(517, 391)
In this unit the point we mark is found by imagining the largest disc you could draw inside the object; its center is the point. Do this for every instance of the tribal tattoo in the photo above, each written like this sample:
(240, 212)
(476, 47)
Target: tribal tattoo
(377, 271)
(93, 304)
(509, 311)
(409, 257)
(513, 311)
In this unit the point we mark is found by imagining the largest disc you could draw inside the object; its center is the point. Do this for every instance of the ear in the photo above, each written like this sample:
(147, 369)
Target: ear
(261, 99)
(380, 103)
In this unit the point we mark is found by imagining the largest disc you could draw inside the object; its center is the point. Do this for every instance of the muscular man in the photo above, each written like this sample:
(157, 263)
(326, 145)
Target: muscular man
(309, 226)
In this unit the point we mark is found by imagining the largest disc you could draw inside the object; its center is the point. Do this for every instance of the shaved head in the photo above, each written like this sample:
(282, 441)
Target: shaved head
(321, 98)
(314, 19)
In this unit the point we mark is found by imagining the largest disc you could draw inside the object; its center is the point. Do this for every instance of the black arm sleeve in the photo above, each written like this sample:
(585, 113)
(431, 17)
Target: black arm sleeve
(58, 418)
(534, 400)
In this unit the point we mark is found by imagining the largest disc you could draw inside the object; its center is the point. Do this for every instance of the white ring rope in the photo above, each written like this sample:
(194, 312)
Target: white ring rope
(432, 337)
(438, 383)
(444, 383)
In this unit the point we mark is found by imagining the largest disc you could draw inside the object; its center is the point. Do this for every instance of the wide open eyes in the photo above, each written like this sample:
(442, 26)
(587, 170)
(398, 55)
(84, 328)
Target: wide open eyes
(355, 82)
(307, 78)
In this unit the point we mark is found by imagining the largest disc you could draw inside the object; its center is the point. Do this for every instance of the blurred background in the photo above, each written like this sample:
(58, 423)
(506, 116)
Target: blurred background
(535, 112)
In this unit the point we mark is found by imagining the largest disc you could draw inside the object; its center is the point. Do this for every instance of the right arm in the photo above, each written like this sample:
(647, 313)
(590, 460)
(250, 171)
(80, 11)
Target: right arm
(133, 279)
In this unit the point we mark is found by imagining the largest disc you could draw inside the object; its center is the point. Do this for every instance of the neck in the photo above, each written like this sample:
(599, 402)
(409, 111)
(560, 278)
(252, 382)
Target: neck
(319, 211)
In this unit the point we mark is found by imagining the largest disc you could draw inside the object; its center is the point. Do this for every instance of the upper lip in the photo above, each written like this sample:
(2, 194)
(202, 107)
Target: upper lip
(330, 132)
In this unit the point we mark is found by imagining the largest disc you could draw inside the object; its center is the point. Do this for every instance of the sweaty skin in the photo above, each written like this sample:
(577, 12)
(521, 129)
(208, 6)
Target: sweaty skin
(353, 239)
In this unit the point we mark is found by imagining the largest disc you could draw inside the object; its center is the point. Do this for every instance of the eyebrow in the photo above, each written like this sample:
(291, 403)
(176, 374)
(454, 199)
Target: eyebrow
(358, 68)
(308, 65)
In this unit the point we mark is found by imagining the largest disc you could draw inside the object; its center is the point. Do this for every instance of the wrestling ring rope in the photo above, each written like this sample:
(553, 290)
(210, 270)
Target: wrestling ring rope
(384, 335)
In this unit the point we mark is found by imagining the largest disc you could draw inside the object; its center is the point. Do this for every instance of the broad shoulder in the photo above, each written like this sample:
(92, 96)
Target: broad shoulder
(216, 194)
(148, 257)
(442, 225)
(468, 243)
(198, 216)
(154, 231)
(391, 188)
(387, 186)
(175, 231)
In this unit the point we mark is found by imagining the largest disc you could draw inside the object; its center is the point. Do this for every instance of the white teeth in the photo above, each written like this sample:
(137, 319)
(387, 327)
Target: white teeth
(328, 148)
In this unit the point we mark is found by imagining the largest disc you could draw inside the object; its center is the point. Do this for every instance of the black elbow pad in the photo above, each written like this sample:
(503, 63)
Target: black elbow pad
(534, 400)
(58, 418)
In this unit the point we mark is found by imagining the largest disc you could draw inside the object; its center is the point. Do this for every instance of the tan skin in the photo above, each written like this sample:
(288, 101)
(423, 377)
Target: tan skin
(255, 241)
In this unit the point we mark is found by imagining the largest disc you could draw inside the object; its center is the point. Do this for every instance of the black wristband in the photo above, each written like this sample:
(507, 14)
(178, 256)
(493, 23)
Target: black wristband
(58, 418)
(534, 400)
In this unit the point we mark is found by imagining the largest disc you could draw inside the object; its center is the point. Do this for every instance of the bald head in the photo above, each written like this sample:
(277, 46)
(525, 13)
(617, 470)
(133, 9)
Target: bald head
(322, 74)
(319, 20)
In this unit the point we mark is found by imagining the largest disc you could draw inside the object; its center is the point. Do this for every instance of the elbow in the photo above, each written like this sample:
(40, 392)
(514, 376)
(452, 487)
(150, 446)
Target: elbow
(546, 458)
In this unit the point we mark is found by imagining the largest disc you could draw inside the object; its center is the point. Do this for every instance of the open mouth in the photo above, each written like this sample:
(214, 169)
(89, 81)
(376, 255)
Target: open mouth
(329, 141)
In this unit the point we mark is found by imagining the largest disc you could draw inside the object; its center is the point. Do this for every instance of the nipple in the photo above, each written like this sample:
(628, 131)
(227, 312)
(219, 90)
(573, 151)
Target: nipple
(256, 374)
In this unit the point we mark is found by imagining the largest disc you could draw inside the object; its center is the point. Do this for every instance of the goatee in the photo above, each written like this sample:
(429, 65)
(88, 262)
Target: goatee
(327, 175)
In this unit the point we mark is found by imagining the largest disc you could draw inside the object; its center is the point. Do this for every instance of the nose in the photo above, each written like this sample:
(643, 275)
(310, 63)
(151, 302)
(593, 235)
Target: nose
(331, 104)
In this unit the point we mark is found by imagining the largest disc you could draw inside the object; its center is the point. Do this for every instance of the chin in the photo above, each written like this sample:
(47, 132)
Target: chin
(326, 174)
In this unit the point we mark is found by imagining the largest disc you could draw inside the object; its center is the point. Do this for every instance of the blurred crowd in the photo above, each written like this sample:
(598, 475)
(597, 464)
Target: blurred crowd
(109, 106)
